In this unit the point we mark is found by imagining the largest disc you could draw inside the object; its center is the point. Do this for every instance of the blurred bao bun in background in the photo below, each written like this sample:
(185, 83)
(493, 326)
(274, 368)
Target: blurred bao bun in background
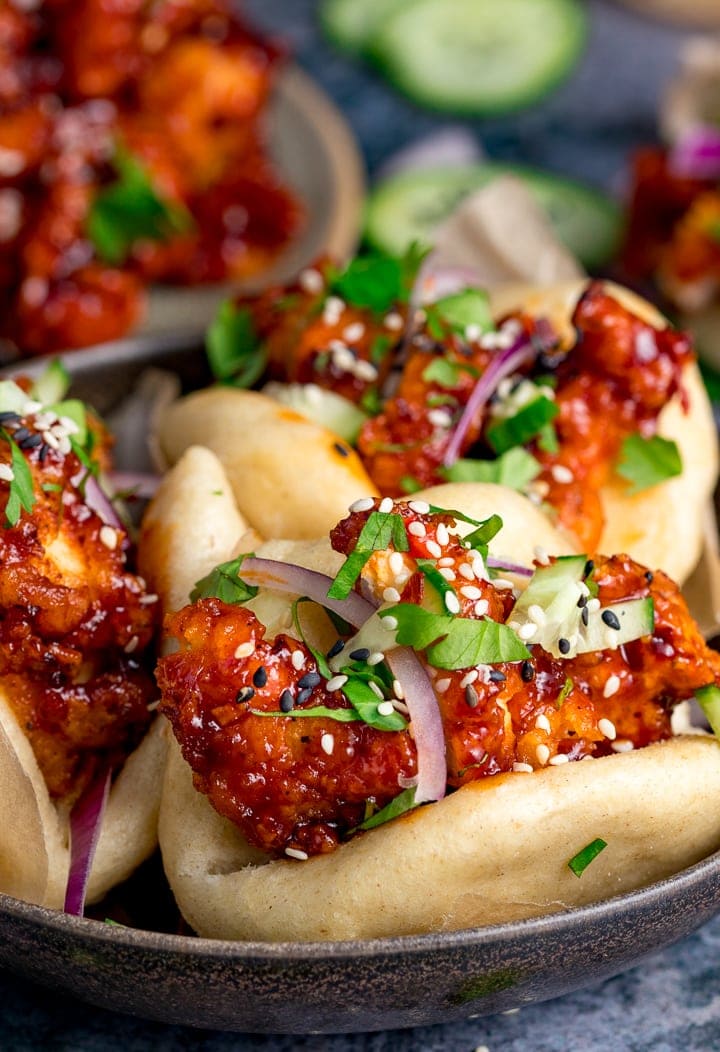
(685, 12)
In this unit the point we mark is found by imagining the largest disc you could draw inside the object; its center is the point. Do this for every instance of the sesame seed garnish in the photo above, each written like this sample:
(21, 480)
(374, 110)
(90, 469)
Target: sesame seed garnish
(295, 852)
(149, 599)
(622, 745)
(452, 602)
(396, 563)
(472, 333)
(443, 537)
(558, 760)
(446, 560)
(496, 675)
(537, 614)
(469, 677)
(564, 645)
(543, 723)
(541, 555)
(397, 689)
(420, 507)
(612, 686)
(303, 695)
(361, 654)
(375, 657)
(522, 768)
(244, 694)
(593, 605)
(470, 591)
(335, 649)
(393, 321)
(365, 371)
(336, 683)
(447, 573)
(527, 672)
(353, 332)
(471, 696)
(386, 505)
(441, 685)
(481, 607)
(298, 659)
(611, 639)
(607, 729)
(108, 536)
(260, 677)
(31, 442)
(245, 650)
(310, 280)
(341, 449)
(306, 682)
(385, 708)
(132, 646)
(417, 529)
(434, 549)
(611, 619)
(589, 567)
(390, 622)
(287, 701)
(585, 616)
(439, 417)
(376, 689)
(364, 504)
(465, 570)
(6, 473)
(649, 576)
(391, 595)
(327, 743)
(561, 473)
(543, 754)
(528, 630)
(502, 584)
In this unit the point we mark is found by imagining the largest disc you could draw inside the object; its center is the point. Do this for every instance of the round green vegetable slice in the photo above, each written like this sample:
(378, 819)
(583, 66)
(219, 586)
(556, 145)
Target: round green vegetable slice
(407, 207)
(479, 56)
(351, 24)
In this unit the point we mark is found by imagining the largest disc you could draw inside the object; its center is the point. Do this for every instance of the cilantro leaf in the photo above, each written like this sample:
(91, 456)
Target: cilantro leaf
(645, 462)
(372, 281)
(315, 711)
(580, 862)
(21, 496)
(131, 209)
(380, 531)
(234, 351)
(518, 429)
(485, 532)
(365, 702)
(456, 642)
(399, 805)
(223, 583)
(515, 468)
(467, 309)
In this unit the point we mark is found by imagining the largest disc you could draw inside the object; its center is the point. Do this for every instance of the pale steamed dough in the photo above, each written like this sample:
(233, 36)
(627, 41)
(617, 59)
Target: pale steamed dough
(496, 850)
(661, 527)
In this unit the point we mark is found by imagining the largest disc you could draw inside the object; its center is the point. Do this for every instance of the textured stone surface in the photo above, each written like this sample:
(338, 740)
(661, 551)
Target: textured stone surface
(672, 1000)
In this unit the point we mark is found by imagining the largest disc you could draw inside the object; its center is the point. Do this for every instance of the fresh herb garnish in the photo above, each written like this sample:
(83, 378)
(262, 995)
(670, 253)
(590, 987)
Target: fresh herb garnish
(235, 354)
(377, 282)
(515, 469)
(409, 484)
(434, 578)
(481, 537)
(645, 462)
(315, 712)
(456, 642)
(566, 688)
(580, 862)
(458, 312)
(223, 583)
(21, 496)
(547, 439)
(445, 373)
(320, 659)
(381, 530)
(130, 209)
(519, 428)
(399, 805)
(365, 702)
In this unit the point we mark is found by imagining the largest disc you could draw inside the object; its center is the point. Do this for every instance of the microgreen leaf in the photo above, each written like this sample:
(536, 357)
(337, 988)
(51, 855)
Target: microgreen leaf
(580, 862)
(456, 642)
(21, 496)
(399, 805)
(223, 583)
(365, 702)
(381, 530)
(519, 428)
(234, 351)
(515, 469)
(645, 462)
(315, 712)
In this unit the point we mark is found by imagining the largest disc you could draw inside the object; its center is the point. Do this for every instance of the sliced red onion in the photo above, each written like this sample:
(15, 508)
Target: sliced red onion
(696, 154)
(142, 485)
(503, 564)
(85, 822)
(436, 281)
(427, 727)
(450, 147)
(97, 499)
(504, 363)
(298, 580)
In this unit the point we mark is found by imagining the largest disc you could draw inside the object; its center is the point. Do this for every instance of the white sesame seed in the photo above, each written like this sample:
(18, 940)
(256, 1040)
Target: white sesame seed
(108, 536)
(470, 591)
(6, 473)
(391, 595)
(558, 760)
(528, 630)
(611, 638)
(334, 304)
(69, 426)
(612, 686)
(543, 754)
(607, 729)
(397, 689)
(522, 768)
(390, 622)
(400, 706)
(561, 473)
(478, 566)
(622, 745)
(376, 690)
(537, 614)
(434, 549)
(327, 744)
(447, 573)
(375, 657)
(396, 563)
(441, 685)
(393, 321)
(502, 584)
(386, 505)
(365, 371)
(298, 659)
(469, 678)
(245, 650)
(385, 708)
(353, 333)
(420, 507)
(295, 852)
(439, 417)
(446, 560)
(465, 570)
(148, 600)
(343, 359)
(364, 504)
(473, 333)
(593, 606)
(310, 280)
(543, 723)
(132, 645)
(336, 683)
(541, 555)
(443, 537)
(481, 607)
(452, 602)
(417, 529)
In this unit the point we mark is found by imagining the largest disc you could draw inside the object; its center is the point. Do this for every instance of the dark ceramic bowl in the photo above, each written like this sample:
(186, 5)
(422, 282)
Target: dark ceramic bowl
(320, 987)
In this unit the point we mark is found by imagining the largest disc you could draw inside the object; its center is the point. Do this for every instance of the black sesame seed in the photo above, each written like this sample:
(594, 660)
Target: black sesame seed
(30, 442)
(303, 695)
(21, 433)
(245, 694)
(310, 679)
(610, 619)
(589, 567)
(361, 654)
(9, 417)
(585, 616)
(44, 450)
(496, 676)
(341, 449)
(471, 696)
(649, 576)
(335, 649)
(563, 645)
(286, 701)
(582, 601)
(260, 676)
(527, 672)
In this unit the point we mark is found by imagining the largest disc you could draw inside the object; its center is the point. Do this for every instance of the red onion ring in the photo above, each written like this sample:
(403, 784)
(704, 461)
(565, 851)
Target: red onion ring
(298, 580)
(142, 485)
(85, 822)
(696, 155)
(502, 564)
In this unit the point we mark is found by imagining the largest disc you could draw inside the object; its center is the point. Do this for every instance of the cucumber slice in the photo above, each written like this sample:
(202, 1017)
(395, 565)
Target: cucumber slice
(323, 407)
(407, 207)
(484, 57)
(636, 617)
(708, 699)
(351, 24)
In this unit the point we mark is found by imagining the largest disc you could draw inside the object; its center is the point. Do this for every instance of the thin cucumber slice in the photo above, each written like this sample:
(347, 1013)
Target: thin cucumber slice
(351, 24)
(484, 57)
(409, 206)
(326, 408)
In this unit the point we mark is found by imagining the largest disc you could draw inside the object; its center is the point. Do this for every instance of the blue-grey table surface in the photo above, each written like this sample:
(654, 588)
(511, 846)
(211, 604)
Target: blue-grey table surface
(586, 129)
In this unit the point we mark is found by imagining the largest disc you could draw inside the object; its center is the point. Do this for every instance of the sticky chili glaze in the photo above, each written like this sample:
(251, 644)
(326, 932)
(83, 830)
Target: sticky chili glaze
(612, 382)
(180, 85)
(305, 783)
(75, 623)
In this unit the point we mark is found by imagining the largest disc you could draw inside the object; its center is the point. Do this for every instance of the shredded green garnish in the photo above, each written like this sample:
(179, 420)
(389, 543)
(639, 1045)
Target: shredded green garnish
(223, 583)
(403, 802)
(580, 862)
(515, 469)
(235, 354)
(21, 496)
(381, 530)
